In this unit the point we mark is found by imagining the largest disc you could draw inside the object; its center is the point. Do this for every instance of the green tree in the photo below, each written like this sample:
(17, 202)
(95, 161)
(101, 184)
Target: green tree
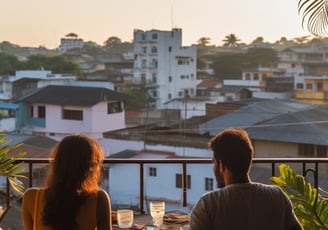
(204, 41)
(228, 66)
(137, 98)
(57, 64)
(112, 42)
(314, 15)
(258, 40)
(231, 40)
(260, 57)
(8, 63)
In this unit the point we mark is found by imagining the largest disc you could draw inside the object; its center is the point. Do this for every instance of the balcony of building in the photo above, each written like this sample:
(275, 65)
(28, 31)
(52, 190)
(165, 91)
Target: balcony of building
(313, 169)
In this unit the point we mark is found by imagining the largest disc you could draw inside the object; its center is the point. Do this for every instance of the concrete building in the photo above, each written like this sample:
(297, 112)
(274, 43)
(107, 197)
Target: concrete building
(165, 68)
(60, 110)
(25, 81)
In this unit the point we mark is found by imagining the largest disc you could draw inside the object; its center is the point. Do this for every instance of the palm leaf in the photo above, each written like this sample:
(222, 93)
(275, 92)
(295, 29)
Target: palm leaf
(9, 167)
(314, 15)
(311, 208)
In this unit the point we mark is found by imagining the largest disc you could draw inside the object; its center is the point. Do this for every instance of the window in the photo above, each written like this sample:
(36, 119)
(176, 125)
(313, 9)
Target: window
(170, 48)
(319, 86)
(154, 50)
(308, 86)
(31, 111)
(170, 78)
(256, 77)
(321, 151)
(208, 184)
(144, 63)
(178, 181)
(299, 86)
(143, 36)
(293, 65)
(169, 96)
(41, 111)
(306, 150)
(154, 78)
(183, 62)
(144, 50)
(152, 171)
(247, 76)
(114, 107)
(182, 77)
(155, 63)
(154, 36)
(143, 78)
(69, 114)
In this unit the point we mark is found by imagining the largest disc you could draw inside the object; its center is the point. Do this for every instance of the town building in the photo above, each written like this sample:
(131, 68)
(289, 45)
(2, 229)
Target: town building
(163, 66)
(25, 81)
(60, 110)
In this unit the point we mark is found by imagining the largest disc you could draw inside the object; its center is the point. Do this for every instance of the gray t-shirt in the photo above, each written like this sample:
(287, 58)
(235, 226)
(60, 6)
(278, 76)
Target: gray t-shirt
(248, 206)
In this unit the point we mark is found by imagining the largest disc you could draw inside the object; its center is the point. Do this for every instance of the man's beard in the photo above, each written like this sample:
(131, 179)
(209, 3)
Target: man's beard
(219, 179)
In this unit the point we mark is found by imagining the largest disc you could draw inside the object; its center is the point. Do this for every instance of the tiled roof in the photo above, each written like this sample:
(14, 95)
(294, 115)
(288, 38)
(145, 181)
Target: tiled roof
(73, 95)
(208, 84)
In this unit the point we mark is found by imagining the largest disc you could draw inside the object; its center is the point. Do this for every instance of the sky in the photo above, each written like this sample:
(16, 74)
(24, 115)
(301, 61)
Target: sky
(44, 22)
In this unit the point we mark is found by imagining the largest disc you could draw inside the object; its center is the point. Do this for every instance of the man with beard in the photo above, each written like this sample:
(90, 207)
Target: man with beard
(239, 203)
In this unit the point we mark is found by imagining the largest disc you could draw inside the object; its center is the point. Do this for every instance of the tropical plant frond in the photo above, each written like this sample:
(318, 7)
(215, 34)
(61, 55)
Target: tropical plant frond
(314, 15)
(9, 167)
(310, 207)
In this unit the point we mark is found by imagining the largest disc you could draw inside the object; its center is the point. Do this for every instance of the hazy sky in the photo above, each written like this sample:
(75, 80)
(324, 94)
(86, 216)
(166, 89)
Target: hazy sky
(44, 22)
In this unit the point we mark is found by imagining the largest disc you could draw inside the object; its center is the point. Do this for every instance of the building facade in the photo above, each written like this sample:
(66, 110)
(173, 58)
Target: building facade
(165, 68)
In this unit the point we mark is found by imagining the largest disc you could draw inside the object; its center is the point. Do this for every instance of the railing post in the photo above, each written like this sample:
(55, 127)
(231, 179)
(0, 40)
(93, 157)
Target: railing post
(184, 184)
(141, 200)
(30, 174)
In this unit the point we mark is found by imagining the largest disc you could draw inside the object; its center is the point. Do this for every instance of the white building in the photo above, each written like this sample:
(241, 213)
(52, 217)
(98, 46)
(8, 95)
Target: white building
(60, 110)
(25, 81)
(167, 69)
(70, 43)
(161, 181)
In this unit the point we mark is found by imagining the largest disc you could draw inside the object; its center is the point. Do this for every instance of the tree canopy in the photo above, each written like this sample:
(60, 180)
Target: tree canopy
(231, 40)
(9, 64)
(229, 66)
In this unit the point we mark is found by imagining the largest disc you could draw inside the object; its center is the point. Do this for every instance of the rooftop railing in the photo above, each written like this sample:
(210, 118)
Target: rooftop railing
(307, 165)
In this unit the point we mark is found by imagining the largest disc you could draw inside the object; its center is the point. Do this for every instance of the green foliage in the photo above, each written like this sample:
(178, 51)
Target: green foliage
(8, 63)
(57, 64)
(8, 167)
(229, 66)
(138, 98)
(310, 206)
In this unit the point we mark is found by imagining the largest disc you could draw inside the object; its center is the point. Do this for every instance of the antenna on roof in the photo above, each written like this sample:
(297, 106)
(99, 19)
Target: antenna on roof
(172, 21)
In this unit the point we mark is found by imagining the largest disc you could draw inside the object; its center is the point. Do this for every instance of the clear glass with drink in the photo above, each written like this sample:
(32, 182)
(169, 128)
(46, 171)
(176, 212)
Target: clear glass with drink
(157, 212)
(125, 218)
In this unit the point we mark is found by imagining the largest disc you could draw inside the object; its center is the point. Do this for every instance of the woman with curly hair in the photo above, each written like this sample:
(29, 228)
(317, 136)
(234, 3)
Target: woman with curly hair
(71, 198)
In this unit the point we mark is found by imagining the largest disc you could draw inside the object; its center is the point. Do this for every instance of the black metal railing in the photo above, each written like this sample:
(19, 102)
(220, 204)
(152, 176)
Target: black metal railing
(307, 165)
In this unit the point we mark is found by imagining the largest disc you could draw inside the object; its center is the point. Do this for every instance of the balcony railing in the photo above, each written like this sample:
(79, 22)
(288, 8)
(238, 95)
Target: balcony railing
(307, 165)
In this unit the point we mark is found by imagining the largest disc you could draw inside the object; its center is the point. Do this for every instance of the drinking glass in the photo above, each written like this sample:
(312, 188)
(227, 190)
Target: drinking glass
(125, 218)
(157, 211)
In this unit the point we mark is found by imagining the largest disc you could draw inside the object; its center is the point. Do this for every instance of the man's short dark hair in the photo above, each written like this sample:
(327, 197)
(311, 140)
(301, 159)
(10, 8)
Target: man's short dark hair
(234, 148)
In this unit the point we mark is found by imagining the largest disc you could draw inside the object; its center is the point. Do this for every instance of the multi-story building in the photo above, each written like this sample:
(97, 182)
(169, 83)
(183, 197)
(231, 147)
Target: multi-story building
(70, 42)
(165, 68)
(308, 66)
